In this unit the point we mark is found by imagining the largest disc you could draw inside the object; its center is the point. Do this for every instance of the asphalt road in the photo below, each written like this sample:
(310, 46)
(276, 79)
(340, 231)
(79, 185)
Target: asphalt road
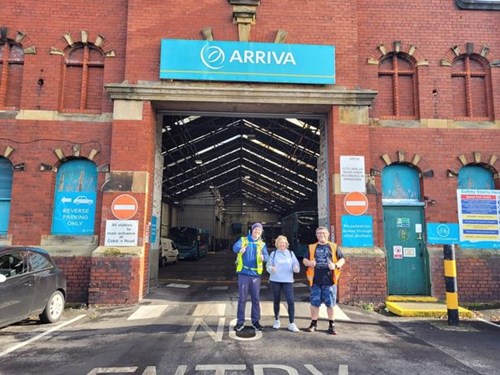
(184, 326)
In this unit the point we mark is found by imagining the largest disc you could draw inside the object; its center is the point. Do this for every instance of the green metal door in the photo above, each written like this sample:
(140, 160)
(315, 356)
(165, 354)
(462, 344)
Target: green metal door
(404, 241)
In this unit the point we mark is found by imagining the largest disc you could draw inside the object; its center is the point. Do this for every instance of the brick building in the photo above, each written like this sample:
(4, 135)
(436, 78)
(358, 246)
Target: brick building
(416, 102)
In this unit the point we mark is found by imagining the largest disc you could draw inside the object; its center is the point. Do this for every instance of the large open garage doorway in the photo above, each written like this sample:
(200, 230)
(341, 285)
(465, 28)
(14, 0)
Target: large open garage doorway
(223, 171)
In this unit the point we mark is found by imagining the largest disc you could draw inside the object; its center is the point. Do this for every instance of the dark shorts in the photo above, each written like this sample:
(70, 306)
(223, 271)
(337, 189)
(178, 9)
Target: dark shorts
(326, 294)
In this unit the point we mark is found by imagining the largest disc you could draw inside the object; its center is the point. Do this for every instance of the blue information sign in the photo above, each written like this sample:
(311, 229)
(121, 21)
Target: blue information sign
(357, 231)
(247, 61)
(442, 233)
(74, 213)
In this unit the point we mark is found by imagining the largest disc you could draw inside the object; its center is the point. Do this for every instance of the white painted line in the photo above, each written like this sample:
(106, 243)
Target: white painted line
(218, 287)
(212, 309)
(337, 313)
(300, 285)
(37, 337)
(181, 286)
(148, 312)
(488, 322)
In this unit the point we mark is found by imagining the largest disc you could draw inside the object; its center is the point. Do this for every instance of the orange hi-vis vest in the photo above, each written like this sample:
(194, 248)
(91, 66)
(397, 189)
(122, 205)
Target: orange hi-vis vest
(310, 270)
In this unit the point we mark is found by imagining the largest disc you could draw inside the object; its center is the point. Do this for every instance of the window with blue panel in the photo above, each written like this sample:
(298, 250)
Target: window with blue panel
(5, 193)
(75, 198)
(400, 182)
(475, 177)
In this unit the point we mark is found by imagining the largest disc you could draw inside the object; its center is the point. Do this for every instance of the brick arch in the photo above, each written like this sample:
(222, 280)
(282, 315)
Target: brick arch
(398, 47)
(489, 161)
(90, 151)
(470, 48)
(68, 41)
(18, 37)
(402, 157)
(8, 153)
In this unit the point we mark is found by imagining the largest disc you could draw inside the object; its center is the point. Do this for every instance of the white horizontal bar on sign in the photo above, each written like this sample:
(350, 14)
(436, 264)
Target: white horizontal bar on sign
(354, 203)
(124, 207)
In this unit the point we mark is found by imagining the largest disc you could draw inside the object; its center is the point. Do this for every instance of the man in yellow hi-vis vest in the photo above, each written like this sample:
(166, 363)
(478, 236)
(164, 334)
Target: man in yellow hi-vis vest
(252, 253)
(323, 261)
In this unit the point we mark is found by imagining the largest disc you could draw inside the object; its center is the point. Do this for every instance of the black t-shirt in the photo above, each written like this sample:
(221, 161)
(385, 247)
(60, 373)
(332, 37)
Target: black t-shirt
(323, 254)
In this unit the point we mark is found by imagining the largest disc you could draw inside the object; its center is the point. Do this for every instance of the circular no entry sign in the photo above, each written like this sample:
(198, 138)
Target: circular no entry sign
(124, 207)
(356, 203)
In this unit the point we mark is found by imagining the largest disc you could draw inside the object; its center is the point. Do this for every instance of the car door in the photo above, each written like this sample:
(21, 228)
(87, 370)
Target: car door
(16, 293)
(43, 271)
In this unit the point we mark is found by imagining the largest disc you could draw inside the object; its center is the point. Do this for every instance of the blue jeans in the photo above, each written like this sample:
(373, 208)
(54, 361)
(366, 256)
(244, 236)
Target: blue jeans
(287, 288)
(248, 285)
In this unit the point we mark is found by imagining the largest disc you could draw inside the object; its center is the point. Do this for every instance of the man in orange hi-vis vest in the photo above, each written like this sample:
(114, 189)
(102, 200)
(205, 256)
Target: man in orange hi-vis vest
(323, 261)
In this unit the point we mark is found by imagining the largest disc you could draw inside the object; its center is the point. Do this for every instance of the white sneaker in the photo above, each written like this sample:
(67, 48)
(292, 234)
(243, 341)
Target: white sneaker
(277, 324)
(293, 328)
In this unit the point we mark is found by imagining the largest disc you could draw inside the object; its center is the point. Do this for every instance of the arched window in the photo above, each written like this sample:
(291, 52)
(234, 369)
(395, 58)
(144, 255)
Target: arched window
(11, 74)
(471, 88)
(83, 79)
(75, 198)
(400, 183)
(397, 87)
(475, 177)
(5, 193)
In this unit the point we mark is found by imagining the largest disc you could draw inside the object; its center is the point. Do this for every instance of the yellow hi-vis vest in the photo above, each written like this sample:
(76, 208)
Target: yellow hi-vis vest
(310, 270)
(239, 257)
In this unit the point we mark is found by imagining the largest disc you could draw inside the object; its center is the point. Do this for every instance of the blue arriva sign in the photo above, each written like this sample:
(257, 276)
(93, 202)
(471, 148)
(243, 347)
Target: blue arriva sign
(247, 62)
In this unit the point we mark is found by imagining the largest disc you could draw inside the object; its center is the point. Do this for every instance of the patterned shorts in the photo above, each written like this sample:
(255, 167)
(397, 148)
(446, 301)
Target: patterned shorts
(326, 294)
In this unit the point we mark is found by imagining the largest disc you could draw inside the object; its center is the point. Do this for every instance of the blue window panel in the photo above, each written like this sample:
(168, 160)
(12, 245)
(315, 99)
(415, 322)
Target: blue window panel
(475, 177)
(75, 198)
(5, 193)
(400, 182)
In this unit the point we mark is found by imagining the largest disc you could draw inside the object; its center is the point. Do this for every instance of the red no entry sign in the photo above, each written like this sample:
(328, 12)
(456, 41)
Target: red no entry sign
(124, 207)
(356, 203)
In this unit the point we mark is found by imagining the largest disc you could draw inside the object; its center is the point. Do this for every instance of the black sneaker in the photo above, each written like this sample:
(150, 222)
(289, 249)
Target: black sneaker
(257, 326)
(311, 328)
(238, 327)
(331, 330)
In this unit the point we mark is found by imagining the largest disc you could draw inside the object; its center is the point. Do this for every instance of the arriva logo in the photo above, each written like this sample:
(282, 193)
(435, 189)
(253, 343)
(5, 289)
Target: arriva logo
(214, 57)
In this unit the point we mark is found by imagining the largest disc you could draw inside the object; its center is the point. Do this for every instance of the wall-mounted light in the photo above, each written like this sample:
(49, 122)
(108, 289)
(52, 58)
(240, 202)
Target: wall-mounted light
(451, 173)
(45, 167)
(429, 201)
(375, 172)
(428, 173)
(19, 167)
(103, 168)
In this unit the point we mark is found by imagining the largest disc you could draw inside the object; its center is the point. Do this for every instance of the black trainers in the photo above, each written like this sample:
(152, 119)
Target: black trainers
(331, 330)
(311, 328)
(238, 327)
(257, 326)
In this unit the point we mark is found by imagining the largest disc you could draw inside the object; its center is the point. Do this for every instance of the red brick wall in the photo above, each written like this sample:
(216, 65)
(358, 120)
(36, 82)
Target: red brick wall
(478, 275)
(114, 280)
(77, 272)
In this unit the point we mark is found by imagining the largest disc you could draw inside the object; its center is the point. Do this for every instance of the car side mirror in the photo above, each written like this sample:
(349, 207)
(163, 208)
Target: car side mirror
(2, 277)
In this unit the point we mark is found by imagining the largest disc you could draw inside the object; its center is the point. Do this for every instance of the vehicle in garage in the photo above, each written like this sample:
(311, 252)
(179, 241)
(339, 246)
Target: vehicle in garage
(300, 229)
(191, 242)
(30, 283)
(168, 252)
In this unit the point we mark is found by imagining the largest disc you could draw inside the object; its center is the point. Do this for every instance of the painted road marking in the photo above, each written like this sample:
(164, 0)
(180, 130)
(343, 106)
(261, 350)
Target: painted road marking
(210, 309)
(37, 337)
(180, 286)
(223, 287)
(148, 312)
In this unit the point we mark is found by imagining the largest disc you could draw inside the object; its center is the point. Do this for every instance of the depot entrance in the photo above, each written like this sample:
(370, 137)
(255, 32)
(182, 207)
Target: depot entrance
(223, 172)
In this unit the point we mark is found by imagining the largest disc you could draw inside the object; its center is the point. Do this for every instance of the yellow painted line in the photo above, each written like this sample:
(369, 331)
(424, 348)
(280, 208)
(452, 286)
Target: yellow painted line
(411, 299)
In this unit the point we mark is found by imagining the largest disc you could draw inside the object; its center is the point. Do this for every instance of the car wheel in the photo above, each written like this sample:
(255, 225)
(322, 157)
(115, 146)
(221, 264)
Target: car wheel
(54, 308)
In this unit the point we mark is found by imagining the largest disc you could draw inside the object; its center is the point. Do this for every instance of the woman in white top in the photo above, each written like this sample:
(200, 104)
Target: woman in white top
(282, 264)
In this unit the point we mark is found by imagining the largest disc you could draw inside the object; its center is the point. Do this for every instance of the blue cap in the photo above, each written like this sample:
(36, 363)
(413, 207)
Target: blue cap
(257, 225)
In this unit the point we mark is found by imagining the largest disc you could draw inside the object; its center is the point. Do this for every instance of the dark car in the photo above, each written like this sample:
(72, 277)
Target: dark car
(30, 283)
